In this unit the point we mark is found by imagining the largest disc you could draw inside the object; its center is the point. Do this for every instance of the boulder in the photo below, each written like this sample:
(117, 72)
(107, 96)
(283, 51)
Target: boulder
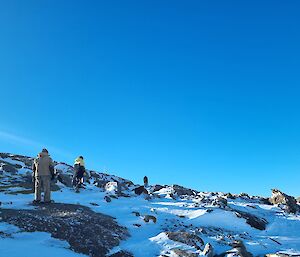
(140, 190)
(9, 169)
(184, 253)
(186, 238)
(239, 249)
(156, 188)
(220, 202)
(286, 202)
(65, 179)
(181, 191)
(147, 218)
(107, 199)
(208, 250)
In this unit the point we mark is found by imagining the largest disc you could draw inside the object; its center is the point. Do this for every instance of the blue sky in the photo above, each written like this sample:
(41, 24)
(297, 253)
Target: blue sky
(199, 93)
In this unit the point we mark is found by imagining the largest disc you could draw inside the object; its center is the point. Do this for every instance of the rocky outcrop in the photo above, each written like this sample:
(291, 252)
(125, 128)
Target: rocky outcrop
(279, 254)
(184, 253)
(182, 191)
(65, 179)
(141, 190)
(238, 250)
(286, 202)
(87, 232)
(121, 254)
(9, 168)
(101, 179)
(208, 250)
(147, 218)
(221, 202)
(156, 188)
(252, 220)
(186, 238)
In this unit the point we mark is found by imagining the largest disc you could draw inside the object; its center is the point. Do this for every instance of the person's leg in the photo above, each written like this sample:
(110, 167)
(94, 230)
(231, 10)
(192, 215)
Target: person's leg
(47, 190)
(37, 191)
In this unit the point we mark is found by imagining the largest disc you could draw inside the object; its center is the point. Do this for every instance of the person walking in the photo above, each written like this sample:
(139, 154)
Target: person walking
(43, 171)
(146, 181)
(79, 170)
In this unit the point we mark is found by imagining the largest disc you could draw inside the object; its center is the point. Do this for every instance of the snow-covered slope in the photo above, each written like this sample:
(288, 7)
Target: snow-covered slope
(161, 221)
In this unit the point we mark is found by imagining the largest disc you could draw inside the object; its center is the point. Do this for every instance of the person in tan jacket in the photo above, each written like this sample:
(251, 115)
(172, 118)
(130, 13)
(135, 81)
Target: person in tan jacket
(43, 170)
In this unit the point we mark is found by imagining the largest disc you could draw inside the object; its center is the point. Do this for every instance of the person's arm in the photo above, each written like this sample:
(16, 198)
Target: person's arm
(33, 170)
(51, 168)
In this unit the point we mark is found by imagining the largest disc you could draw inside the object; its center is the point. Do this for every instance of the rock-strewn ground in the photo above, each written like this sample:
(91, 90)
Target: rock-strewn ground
(162, 220)
(87, 232)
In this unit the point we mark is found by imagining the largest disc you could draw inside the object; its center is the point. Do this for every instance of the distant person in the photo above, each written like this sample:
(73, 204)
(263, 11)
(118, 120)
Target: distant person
(146, 182)
(79, 170)
(43, 171)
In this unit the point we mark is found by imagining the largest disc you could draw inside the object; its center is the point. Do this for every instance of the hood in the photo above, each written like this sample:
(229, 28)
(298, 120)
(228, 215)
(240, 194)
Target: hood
(79, 161)
(43, 154)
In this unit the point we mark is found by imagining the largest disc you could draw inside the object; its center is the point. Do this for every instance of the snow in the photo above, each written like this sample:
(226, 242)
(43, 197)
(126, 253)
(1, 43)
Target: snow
(34, 244)
(13, 162)
(150, 239)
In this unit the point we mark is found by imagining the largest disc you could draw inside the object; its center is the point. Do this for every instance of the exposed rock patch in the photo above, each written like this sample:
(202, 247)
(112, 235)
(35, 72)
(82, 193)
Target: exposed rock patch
(238, 250)
(141, 190)
(181, 191)
(87, 232)
(286, 202)
(252, 220)
(183, 253)
(122, 254)
(208, 250)
(186, 238)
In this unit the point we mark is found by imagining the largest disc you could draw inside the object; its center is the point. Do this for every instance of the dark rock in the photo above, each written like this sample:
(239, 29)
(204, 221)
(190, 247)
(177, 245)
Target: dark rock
(156, 188)
(107, 199)
(208, 250)
(87, 232)
(137, 225)
(230, 196)
(239, 249)
(252, 220)
(181, 191)
(147, 218)
(122, 254)
(9, 168)
(184, 253)
(282, 255)
(186, 238)
(244, 195)
(65, 179)
(286, 202)
(220, 202)
(140, 190)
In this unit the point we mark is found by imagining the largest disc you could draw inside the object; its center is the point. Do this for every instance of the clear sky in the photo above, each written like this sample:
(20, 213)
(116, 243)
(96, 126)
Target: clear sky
(200, 93)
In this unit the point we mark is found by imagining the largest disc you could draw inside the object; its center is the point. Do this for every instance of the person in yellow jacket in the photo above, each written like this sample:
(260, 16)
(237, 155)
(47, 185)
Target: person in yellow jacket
(79, 170)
